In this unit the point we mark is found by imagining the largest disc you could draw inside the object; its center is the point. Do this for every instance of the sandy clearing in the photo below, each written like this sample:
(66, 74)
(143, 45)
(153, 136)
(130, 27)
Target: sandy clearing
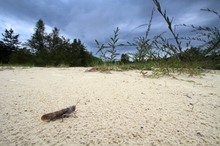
(122, 108)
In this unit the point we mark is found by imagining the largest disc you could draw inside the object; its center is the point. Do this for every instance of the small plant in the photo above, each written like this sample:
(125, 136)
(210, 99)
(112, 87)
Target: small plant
(144, 45)
(109, 52)
(210, 36)
(163, 43)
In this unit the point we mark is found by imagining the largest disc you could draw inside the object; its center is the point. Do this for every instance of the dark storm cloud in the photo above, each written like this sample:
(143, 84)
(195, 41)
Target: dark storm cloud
(31, 10)
(96, 19)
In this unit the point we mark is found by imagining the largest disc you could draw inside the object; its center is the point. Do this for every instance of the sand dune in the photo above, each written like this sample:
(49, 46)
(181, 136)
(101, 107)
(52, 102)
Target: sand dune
(121, 108)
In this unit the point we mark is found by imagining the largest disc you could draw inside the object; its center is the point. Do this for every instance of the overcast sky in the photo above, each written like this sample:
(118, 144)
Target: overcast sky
(96, 19)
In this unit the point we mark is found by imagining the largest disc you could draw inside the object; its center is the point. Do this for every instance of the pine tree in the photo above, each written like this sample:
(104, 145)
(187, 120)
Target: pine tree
(9, 44)
(38, 44)
(53, 39)
(38, 40)
(9, 39)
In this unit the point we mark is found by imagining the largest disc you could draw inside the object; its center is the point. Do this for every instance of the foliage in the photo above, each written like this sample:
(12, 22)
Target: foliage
(8, 44)
(163, 44)
(163, 56)
(109, 52)
(144, 45)
(175, 59)
(54, 50)
(210, 36)
(5, 53)
(44, 49)
(124, 58)
(22, 56)
(9, 39)
(38, 40)
(37, 44)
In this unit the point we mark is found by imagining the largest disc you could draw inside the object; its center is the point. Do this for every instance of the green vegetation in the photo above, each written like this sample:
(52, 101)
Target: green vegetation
(109, 52)
(161, 55)
(44, 49)
(165, 57)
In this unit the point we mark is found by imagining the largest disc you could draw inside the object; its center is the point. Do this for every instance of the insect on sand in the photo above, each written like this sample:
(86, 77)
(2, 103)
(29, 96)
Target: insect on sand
(63, 113)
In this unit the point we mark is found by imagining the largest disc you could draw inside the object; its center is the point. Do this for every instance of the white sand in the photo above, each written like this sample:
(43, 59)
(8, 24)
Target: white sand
(122, 108)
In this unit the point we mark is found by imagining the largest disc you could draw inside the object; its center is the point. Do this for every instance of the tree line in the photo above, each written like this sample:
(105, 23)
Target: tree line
(44, 49)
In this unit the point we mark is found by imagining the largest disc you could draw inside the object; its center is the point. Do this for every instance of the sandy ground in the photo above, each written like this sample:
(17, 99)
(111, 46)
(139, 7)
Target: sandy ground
(121, 108)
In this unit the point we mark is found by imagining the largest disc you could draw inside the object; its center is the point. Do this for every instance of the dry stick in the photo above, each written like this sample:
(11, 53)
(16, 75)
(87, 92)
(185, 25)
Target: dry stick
(59, 114)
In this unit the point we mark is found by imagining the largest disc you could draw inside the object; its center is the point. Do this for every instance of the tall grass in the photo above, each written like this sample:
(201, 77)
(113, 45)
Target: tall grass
(162, 56)
(210, 36)
(109, 51)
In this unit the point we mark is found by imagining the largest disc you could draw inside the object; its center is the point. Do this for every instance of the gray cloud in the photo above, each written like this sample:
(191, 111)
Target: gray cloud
(96, 19)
